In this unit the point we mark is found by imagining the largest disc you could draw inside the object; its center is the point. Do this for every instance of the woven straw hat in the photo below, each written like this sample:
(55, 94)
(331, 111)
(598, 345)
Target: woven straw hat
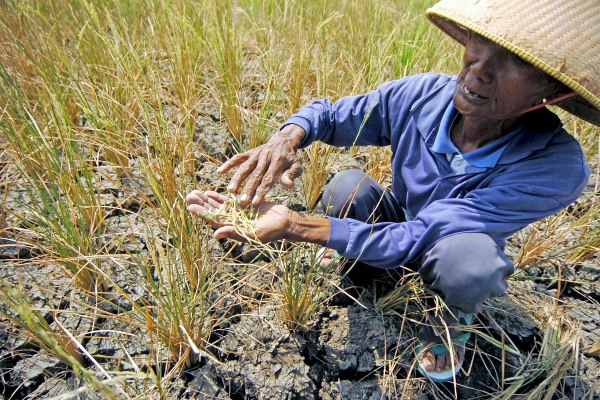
(560, 37)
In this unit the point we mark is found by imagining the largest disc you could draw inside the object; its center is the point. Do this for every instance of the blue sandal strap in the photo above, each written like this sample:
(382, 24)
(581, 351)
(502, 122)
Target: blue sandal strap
(442, 348)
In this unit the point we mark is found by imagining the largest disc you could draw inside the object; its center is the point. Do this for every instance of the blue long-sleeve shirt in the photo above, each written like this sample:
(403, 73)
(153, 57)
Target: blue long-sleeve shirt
(540, 170)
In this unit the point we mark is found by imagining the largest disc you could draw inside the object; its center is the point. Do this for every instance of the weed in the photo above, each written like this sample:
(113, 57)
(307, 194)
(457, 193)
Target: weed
(317, 161)
(98, 103)
(303, 286)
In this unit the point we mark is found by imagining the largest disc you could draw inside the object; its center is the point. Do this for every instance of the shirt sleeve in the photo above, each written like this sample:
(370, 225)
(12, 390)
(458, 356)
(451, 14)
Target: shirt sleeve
(364, 119)
(520, 194)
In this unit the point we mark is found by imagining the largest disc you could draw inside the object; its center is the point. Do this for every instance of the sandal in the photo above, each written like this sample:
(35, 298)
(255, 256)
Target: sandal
(442, 348)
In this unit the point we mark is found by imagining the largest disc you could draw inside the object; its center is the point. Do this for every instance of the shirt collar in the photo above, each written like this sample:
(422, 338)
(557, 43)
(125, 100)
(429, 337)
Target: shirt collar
(442, 143)
(534, 133)
(486, 156)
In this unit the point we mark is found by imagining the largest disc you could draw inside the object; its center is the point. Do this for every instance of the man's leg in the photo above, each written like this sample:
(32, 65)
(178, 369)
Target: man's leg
(354, 194)
(466, 269)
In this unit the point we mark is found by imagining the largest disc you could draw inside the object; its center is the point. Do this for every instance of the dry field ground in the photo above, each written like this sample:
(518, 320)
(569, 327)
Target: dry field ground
(111, 111)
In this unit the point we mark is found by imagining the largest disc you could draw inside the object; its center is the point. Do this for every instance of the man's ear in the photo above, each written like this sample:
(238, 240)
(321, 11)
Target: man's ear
(560, 89)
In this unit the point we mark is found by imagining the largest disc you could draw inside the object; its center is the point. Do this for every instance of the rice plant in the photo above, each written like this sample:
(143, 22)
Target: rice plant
(578, 227)
(546, 371)
(64, 213)
(98, 110)
(378, 165)
(226, 48)
(58, 342)
(303, 286)
(316, 171)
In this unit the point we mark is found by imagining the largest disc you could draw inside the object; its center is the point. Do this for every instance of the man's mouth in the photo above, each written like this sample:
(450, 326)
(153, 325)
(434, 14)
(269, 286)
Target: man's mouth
(473, 95)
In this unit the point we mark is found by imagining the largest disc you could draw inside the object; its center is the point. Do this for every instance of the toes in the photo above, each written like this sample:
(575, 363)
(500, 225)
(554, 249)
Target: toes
(459, 354)
(440, 362)
(428, 361)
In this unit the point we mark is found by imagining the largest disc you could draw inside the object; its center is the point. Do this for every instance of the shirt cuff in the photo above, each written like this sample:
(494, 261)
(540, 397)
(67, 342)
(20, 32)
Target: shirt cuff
(339, 234)
(304, 124)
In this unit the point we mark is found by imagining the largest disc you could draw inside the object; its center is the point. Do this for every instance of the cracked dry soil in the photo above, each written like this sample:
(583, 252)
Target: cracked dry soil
(352, 351)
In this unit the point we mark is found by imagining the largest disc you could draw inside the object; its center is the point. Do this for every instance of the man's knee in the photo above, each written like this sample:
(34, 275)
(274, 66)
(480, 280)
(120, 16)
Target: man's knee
(467, 268)
(342, 191)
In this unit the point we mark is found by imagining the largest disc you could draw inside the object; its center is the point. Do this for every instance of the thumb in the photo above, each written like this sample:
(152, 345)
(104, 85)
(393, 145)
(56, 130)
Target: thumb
(225, 232)
(288, 177)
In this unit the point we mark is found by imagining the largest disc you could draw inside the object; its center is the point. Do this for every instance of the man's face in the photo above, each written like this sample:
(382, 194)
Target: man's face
(496, 84)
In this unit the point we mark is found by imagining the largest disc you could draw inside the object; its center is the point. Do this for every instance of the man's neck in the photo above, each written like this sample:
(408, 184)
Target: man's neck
(469, 134)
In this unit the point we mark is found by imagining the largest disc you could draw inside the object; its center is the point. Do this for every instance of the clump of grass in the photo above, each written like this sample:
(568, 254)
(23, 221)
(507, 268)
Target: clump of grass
(65, 213)
(178, 312)
(587, 244)
(59, 343)
(261, 123)
(379, 166)
(573, 233)
(316, 170)
(546, 371)
(179, 272)
(409, 290)
(299, 74)
(227, 54)
(303, 288)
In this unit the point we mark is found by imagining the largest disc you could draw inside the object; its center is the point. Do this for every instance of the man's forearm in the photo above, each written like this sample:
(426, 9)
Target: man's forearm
(307, 228)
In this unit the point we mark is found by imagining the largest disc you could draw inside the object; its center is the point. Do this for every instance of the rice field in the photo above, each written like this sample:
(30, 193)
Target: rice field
(112, 111)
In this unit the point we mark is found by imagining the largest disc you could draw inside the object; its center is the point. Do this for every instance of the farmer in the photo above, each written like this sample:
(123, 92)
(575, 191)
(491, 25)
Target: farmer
(476, 157)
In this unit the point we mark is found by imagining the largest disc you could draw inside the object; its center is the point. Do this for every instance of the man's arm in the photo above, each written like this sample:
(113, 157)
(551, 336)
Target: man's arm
(518, 195)
(352, 120)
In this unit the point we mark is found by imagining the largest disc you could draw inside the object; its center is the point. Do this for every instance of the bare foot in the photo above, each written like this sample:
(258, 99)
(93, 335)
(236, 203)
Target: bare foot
(431, 362)
(330, 258)
(434, 337)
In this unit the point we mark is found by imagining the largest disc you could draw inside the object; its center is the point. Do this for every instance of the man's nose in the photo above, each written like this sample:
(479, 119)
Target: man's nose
(484, 66)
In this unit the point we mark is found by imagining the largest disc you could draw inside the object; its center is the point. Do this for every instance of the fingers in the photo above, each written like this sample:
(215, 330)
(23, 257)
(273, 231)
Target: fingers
(207, 200)
(207, 205)
(215, 199)
(227, 232)
(268, 179)
(253, 181)
(247, 165)
(203, 204)
(233, 162)
(195, 198)
(265, 184)
(288, 177)
(258, 169)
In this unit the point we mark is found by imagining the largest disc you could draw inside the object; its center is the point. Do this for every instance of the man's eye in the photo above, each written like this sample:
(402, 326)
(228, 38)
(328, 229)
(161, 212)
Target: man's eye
(519, 60)
(483, 39)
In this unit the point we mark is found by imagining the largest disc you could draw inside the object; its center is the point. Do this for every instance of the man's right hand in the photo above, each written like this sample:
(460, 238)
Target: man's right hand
(260, 167)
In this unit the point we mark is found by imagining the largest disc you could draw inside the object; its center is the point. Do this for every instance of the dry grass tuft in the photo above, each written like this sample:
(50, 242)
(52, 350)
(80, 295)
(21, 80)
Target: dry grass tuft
(99, 103)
